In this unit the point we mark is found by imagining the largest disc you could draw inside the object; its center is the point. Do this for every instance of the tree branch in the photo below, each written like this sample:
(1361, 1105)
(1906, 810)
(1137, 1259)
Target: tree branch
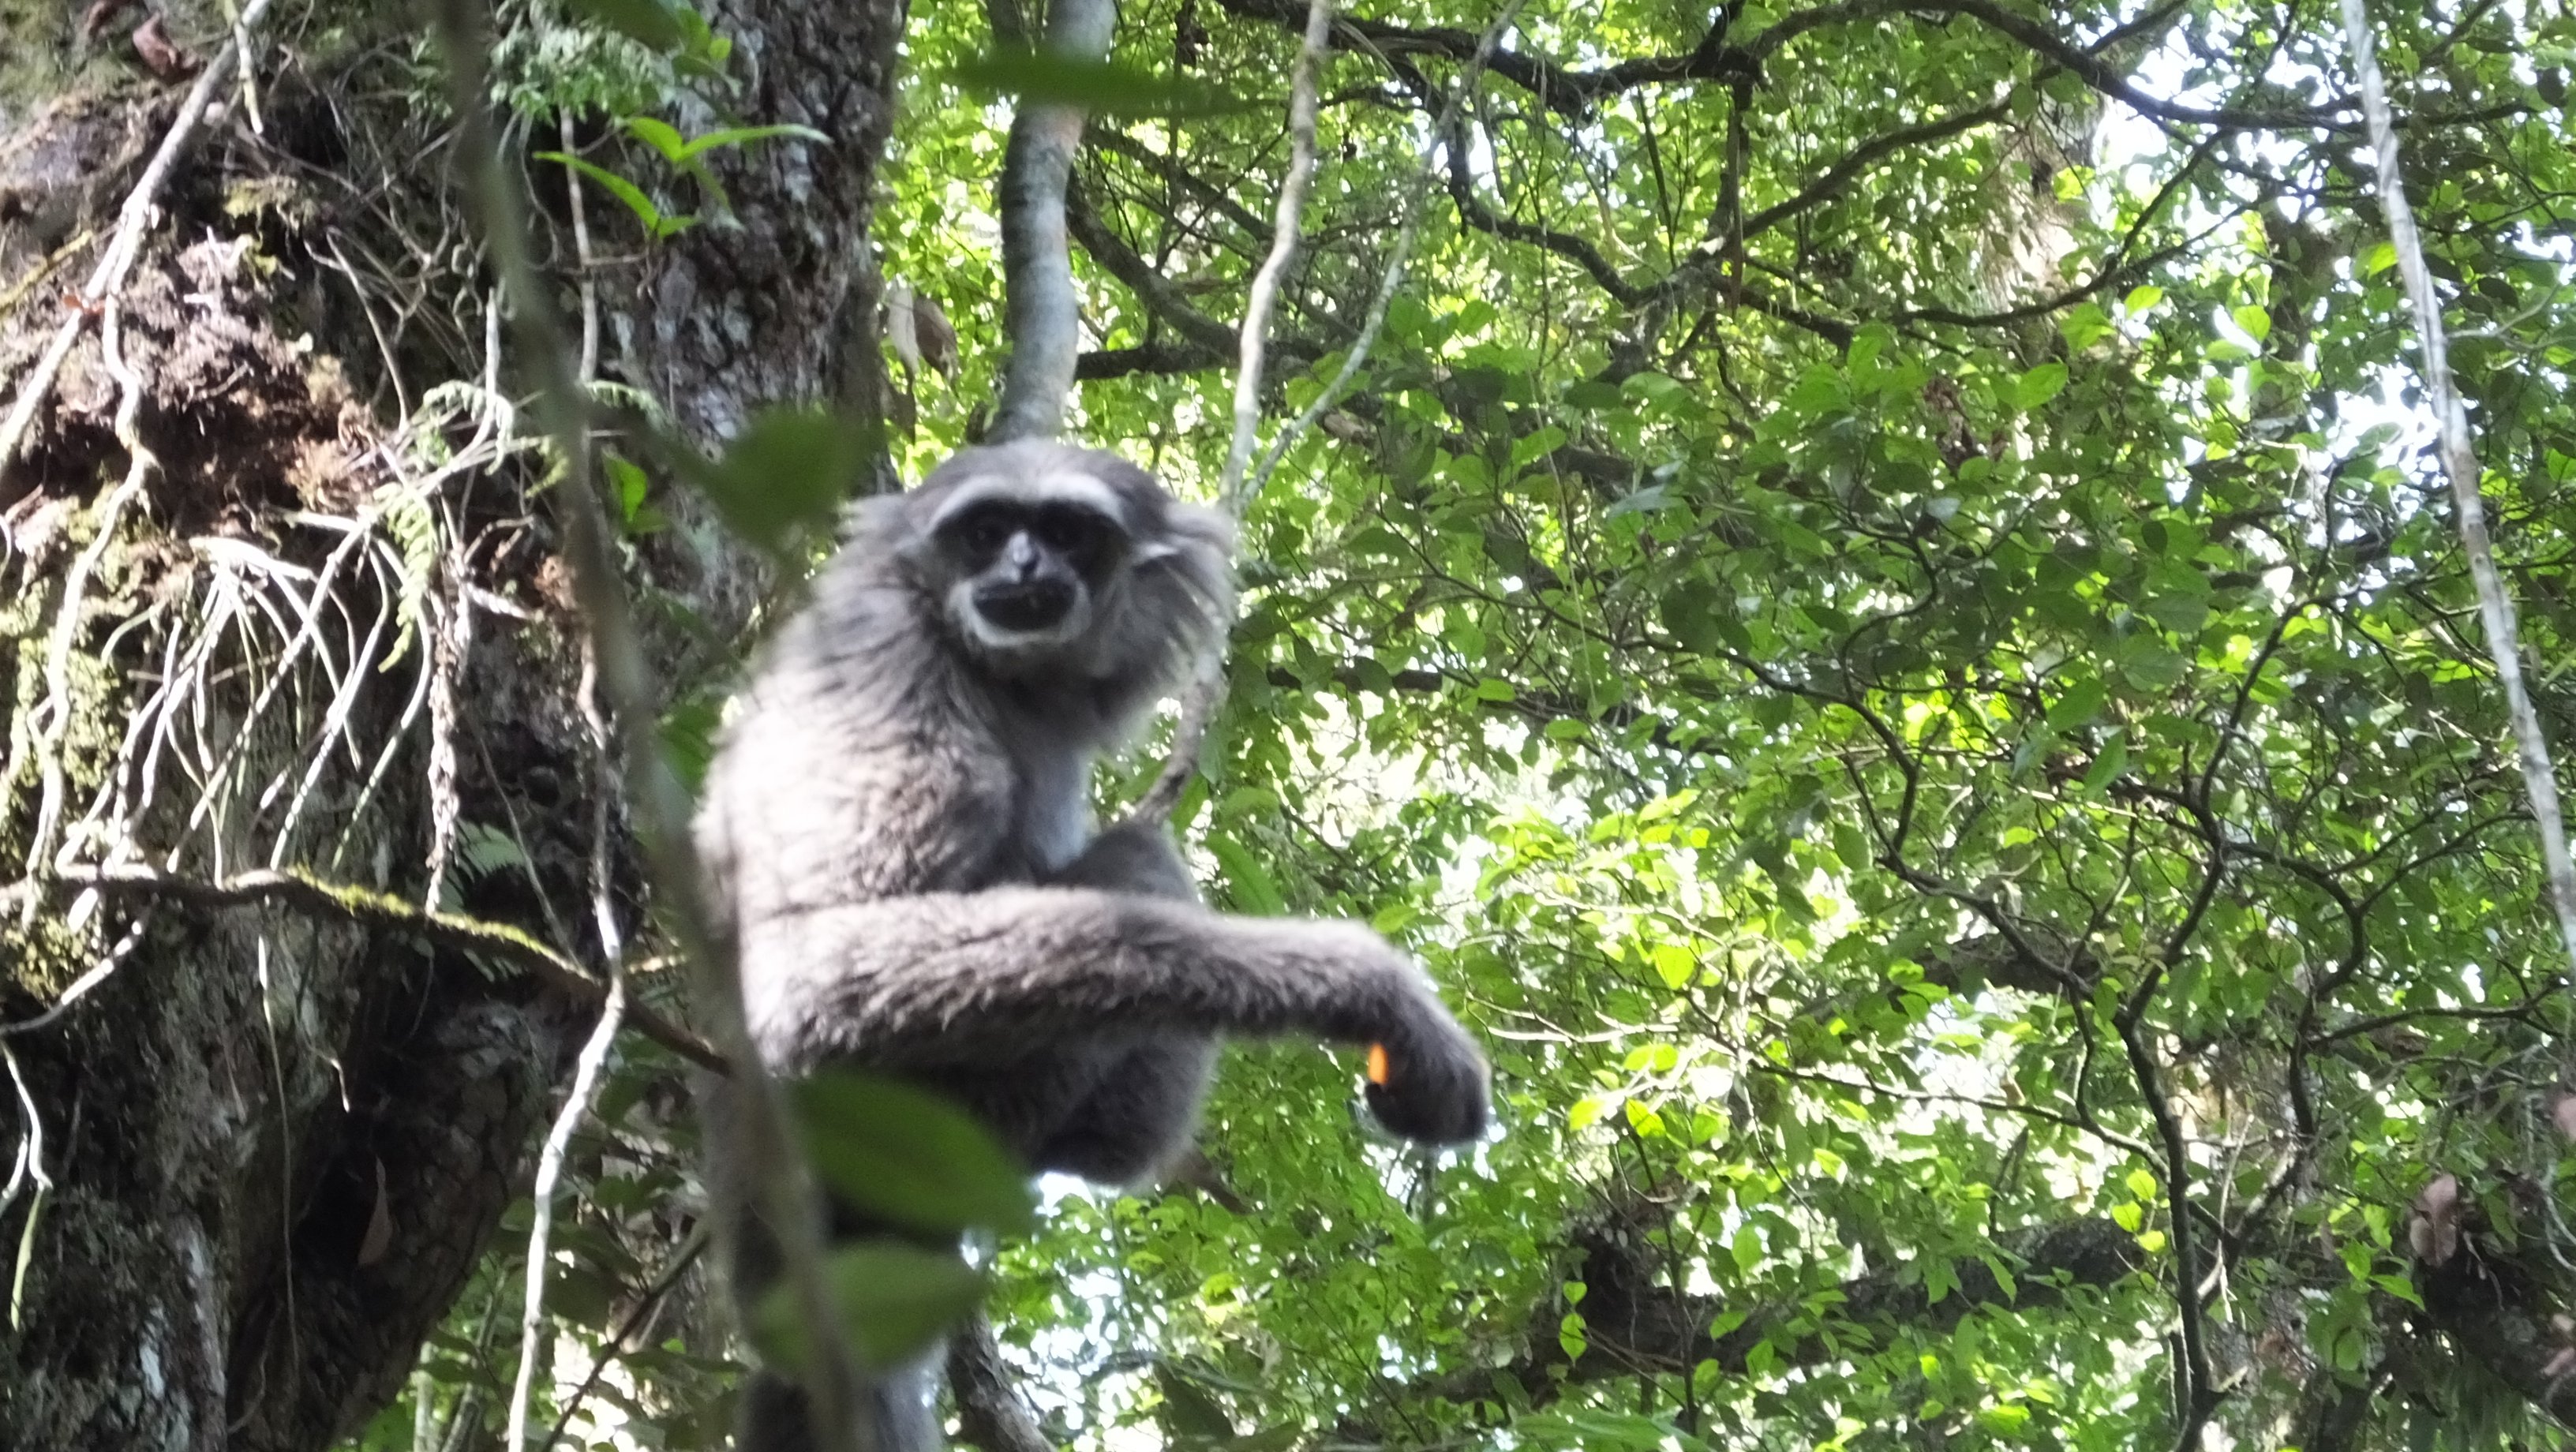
(990, 1414)
(2468, 500)
(350, 904)
(1633, 1324)
(1043, 318)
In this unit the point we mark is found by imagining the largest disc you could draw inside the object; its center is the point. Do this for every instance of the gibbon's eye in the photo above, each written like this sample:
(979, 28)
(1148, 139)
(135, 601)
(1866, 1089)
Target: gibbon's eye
(982, 533)
(1076, 533)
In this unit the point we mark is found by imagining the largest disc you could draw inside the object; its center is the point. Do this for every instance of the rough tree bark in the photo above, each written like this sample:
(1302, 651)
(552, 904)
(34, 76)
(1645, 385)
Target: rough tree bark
(274, 1142)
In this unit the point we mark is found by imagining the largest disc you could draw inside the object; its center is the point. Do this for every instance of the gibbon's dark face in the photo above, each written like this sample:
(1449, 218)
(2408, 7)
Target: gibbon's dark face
(1029, 563)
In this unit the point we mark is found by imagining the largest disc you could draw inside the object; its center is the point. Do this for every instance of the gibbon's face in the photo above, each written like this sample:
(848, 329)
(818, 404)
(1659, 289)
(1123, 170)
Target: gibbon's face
(1029, 563)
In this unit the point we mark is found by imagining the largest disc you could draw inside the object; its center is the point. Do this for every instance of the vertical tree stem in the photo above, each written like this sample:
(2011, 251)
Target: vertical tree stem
(661, 803)
(1041, 315)
(2460, 463)
(585, 1078)
(1199, 703)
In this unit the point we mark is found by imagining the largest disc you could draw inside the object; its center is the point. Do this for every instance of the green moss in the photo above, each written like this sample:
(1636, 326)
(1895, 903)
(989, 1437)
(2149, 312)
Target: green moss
(47, 951)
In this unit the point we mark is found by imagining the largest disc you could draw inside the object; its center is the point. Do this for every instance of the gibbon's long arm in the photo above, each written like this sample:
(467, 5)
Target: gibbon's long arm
(945, 977)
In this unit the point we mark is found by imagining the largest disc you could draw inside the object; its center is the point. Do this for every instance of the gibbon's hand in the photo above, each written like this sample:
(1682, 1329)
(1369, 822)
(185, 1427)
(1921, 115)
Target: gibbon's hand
(1427, 1080)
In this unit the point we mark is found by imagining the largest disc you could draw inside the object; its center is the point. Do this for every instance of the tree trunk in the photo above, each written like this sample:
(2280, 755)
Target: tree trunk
(309, 632)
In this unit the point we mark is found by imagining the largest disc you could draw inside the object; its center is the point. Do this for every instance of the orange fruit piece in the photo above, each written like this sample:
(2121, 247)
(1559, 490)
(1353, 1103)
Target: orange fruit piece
(1377, 1064)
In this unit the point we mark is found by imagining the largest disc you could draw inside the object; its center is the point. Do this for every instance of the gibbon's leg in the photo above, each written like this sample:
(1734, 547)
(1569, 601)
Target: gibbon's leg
(949, 978)
(773, 1415)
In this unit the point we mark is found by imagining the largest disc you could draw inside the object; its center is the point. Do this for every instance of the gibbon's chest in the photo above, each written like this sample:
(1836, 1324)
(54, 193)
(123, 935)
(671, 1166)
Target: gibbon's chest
(1052, 817)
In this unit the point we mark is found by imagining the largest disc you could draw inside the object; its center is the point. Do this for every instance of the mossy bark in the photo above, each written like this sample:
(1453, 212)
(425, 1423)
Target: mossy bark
(274, 1144)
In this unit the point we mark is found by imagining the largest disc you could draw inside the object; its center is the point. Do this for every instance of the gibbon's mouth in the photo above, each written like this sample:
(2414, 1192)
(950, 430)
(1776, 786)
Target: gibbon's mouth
(1030, 608)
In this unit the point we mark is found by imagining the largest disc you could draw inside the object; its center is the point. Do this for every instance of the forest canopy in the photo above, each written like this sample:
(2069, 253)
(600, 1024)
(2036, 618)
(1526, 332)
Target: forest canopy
(1870, 586)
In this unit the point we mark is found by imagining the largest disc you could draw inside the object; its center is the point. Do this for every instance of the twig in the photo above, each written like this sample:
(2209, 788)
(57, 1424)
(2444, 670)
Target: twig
(635, 1321)
(107, 280)
(589, 369)
(31, 1160)
(42, 268)
(1264, 294)
(769, 1151)
(97, 973)
(585, 1078)
(1398, 258)
(2460, 462)
(1198, 707)
(1237, 491)
(1043, 319)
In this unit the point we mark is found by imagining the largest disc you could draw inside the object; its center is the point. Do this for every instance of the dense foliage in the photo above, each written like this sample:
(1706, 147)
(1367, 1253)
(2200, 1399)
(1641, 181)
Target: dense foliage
(1881, 616)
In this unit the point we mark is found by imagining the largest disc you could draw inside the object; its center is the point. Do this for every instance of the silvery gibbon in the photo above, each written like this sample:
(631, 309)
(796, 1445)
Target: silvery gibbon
(896, 829)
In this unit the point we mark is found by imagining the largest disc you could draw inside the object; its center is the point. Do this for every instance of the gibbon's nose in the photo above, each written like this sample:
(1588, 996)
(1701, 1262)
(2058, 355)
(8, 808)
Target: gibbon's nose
(1027, 605)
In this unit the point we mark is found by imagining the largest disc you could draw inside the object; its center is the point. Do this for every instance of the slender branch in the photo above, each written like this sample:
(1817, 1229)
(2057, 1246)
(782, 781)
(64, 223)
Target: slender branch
(769, 1150)
(1043, 318)
(634, 1322)
(1264, 294)
(1205, 334)
(2107, 78)
(1861, 158)
(1198, 708)
(350, 904)
(2468, 501)
(585, 1079)
(1571, 93)
(1393, 277)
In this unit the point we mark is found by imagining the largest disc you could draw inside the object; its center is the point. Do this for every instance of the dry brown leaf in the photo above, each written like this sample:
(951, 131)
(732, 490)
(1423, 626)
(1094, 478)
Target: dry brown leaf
(380, 1225)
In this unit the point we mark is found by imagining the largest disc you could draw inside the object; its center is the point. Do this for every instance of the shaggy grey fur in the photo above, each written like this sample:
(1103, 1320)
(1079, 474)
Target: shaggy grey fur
(897, 830)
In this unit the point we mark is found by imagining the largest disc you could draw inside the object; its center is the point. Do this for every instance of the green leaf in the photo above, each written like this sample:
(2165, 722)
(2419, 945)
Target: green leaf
(627, 485)
(1247, 882)
(2141, 299)
(2183, 614)
(738, 135)
(784, 479)
(2039, 385)
(2149, 664)
(2082, 701)
(662, 136)
(656, 225)
(1102, 88)
(2256, 321)
(2004, 1420)
(1675, 963)
(2111, 764)
(1536, 446)
(1746, 1248)
(896, 1301)
(909, 1155)
(1702, 620)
